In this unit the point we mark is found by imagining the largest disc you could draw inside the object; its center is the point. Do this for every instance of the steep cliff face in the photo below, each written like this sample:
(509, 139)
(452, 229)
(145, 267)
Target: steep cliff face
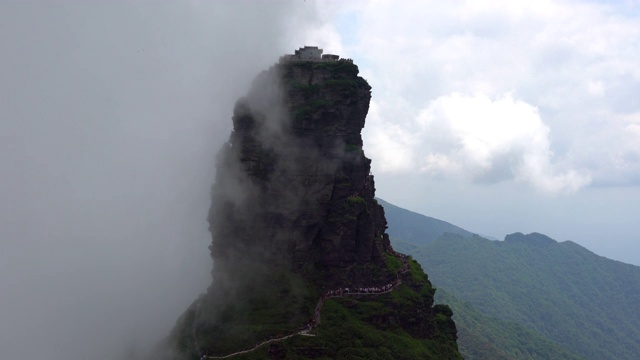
(306, 186)
(295, 229)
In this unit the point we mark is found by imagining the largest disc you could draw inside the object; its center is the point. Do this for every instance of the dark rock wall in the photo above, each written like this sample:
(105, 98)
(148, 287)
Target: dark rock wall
(292, 216)
(293, 186)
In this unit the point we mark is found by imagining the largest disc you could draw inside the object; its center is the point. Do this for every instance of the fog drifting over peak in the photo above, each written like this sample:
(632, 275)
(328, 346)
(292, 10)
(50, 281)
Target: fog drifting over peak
(112, 114)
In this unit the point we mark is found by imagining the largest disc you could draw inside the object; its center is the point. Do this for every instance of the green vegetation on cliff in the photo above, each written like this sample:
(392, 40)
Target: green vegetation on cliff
(392, 325)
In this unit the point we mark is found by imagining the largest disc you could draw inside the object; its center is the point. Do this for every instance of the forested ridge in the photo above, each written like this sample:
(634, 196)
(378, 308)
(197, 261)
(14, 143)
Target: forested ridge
(558, 292)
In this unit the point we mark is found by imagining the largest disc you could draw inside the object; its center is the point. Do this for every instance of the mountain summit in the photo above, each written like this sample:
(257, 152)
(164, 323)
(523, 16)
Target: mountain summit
(303, 267)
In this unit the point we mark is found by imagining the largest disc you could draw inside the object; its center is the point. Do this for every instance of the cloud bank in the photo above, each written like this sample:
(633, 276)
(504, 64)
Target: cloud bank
(476, 138)
(112, 113)
(563, 72)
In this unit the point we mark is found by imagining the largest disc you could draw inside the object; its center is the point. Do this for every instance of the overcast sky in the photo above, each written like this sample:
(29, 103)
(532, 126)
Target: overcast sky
(497, 116)
(505, 116)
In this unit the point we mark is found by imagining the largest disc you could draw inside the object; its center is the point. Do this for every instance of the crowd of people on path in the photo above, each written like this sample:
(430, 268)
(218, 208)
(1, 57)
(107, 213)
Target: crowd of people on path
(313, 322)
(399, 255)
(358, 290)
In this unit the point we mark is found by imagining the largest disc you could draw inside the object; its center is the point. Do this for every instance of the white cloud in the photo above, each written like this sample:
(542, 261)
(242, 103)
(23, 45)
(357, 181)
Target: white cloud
(596, 88)
(573, 62)
(476, 138)
(614, 152)
(112, 113)
(313, 26)
(391, 144)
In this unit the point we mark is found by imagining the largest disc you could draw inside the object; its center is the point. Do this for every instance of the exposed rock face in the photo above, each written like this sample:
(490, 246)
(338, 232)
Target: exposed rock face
(293, 216)
(293, 185)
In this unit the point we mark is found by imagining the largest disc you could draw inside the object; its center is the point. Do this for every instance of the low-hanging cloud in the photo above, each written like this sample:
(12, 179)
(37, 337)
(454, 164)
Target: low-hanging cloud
(477, 138)
(112, 113)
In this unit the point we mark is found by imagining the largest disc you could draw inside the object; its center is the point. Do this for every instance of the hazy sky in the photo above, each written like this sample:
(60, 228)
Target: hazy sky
(493, 115)
(505, 116)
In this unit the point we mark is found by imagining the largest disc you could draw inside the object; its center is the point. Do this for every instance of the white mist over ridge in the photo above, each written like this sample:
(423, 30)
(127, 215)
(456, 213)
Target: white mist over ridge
(112, 116)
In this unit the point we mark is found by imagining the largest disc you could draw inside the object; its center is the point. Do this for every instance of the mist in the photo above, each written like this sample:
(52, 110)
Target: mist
(112, 114)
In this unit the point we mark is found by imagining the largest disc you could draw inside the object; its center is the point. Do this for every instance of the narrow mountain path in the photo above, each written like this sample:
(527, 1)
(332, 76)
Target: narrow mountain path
(341, 292)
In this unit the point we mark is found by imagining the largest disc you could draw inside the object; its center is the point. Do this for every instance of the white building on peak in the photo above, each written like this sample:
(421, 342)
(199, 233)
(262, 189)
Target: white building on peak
(309, 53)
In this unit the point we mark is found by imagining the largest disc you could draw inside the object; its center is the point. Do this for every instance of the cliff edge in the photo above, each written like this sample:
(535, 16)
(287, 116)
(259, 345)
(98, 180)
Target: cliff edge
(303, 267)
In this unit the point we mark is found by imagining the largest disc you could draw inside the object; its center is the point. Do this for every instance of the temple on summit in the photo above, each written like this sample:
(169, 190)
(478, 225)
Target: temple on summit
(309, 53)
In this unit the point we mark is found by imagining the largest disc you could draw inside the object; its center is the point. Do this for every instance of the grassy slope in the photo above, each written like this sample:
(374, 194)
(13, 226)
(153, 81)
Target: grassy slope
(577, 298)
(416, 228)
(363, 328)
(484, 337)
(559, 292)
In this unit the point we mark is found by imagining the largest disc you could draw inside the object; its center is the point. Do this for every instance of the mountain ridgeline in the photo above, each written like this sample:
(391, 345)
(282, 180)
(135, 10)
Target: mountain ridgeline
(417, 228)
(528, 297)
(303, 267)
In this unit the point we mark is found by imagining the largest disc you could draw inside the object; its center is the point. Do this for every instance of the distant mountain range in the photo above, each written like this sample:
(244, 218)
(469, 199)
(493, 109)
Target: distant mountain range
(417, 228)
(528, 297)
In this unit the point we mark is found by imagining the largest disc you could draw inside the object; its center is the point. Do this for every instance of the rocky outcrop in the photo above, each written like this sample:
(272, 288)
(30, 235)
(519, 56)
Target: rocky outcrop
(293, 185)
(293, 215)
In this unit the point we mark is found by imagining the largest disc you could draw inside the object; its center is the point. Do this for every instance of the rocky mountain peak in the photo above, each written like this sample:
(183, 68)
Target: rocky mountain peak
(293, 185)
(297, 236)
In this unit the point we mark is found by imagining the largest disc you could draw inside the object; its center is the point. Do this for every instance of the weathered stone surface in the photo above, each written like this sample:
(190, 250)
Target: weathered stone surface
(293, 216)
(293, 182)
